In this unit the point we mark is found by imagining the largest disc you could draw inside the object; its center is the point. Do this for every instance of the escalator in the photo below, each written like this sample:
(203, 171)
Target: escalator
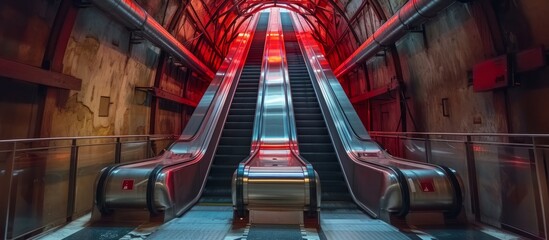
(314, 140)
(235, 141)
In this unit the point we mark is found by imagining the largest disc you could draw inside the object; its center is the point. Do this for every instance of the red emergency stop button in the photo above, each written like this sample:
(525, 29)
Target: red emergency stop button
(427, 185)
(127, 184)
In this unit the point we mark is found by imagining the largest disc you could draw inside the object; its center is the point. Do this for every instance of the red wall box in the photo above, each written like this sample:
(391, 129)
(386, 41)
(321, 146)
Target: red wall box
(491, 74)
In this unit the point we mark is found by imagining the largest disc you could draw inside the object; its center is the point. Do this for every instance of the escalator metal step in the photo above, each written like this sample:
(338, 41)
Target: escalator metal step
(312, 131)
(237, 133)
(308, 117)
(229, 159)
(235, 141)
(310, 123)
(316, 147)
(239, 125)
(242, 141)
(233, 149)
(313, 139)
(249, 111)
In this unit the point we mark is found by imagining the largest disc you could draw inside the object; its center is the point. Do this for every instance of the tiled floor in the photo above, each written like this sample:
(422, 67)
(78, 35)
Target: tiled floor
(338, 221)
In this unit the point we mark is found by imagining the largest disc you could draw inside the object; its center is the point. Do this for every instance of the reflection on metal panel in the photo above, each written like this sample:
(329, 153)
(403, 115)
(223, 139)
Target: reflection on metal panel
(380, 183)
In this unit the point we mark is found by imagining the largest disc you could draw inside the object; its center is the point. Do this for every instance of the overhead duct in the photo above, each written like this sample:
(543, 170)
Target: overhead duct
(412, 14)
(134, 17)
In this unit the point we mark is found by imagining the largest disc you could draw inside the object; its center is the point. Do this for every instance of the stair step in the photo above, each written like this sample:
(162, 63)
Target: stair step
(314, 157)
(312, 131)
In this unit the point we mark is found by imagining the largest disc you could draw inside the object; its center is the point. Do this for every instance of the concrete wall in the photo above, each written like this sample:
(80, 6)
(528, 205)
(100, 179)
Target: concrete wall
(99, 52)
(25, 28)
(437, 67)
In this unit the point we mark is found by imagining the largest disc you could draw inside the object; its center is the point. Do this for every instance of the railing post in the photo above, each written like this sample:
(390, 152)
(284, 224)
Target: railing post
(541, 177)
(428, 152)
(472, 172)
(73, 171)
(5, 201)
(118, 151)
(149, 147)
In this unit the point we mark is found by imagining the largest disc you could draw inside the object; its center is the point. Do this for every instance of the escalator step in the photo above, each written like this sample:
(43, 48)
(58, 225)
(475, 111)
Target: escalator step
(239, 118)
(325, 166)
(222, 170)
(308, 117)
(236, 133)
(315, 157)
(245, 94)
(308, 110)
(245, 99)
(312, 131)
(226, 159)
(310, 123)
(305, 104)
(239, 125)
(336, 197)
(241, 141)
(233, 149)
(242, 111)
(313, 139)
(243, 105)
(316, 147)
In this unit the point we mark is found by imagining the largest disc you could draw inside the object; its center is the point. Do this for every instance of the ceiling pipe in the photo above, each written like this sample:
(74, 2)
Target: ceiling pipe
(413, 13)
(136, 18)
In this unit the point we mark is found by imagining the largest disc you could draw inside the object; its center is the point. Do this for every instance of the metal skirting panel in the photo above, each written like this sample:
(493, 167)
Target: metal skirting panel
(201, 222)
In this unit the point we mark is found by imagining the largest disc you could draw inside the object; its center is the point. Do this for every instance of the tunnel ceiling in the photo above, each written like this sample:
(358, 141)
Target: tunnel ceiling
(207, 27)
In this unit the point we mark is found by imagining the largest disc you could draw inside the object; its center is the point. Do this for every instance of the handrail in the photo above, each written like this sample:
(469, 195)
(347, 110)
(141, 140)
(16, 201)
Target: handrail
(354, 136)
(82, 138)
(189, 149)
(288, 120)
(256, 131)
(352, 155)
(156, 172)
(464, 134)
(20, 147)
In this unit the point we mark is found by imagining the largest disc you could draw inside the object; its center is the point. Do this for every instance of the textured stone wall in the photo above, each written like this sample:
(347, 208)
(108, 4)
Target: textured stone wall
(437, 67)
(440, 71)
(99, 52)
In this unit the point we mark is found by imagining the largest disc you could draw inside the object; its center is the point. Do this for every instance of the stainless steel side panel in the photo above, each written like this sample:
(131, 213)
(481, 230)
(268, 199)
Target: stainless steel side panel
(178, 176)
(271, 188)
(275, 177)
(376, 180)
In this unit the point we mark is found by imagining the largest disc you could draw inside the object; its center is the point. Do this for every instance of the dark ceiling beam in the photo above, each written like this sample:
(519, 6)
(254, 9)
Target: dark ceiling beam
(20, 71)
(352, 21)
(344, 16)
(237, 26)
(200, 25)
(378, 9)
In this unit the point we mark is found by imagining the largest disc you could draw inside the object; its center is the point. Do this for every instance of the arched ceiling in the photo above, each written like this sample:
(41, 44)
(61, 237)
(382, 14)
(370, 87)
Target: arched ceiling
(207, 27)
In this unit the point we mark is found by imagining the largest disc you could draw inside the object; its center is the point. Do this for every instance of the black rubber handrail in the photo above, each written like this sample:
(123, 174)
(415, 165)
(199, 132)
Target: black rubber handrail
(458, 197)
(239, 187)
(100, 190)
(153, 176)
(312, 189)
(404, 191)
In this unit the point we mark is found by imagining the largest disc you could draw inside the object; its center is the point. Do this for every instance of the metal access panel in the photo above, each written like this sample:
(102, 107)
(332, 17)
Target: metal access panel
(491, 74)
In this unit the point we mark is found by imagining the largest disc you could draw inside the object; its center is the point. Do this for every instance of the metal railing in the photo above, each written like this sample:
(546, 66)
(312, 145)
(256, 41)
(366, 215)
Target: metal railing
(504, 175)
(46, 182)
